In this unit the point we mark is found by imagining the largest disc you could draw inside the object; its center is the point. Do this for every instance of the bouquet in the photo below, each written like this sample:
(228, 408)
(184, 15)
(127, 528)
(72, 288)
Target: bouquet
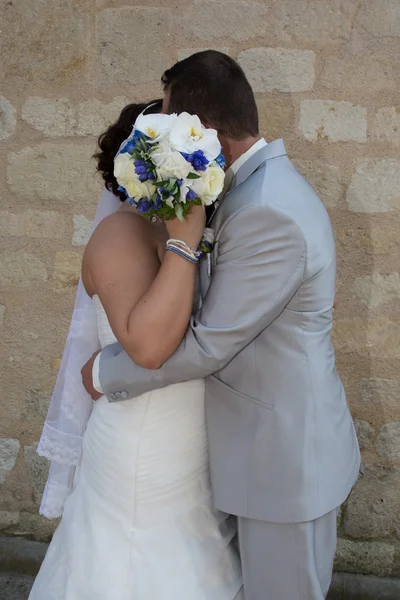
(168, 164)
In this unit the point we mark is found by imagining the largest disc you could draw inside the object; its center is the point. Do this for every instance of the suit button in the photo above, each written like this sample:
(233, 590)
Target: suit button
(112, 396)
(124, 395)
(118, 394)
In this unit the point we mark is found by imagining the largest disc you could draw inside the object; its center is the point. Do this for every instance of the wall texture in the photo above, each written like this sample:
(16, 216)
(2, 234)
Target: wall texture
(326, 74)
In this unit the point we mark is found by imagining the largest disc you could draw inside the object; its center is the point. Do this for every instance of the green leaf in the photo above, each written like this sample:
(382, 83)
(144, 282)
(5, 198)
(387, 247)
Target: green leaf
(193, 176)
(179, 211)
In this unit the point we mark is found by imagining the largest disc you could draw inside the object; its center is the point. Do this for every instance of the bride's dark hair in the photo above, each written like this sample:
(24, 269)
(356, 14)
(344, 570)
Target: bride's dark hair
(110, 141)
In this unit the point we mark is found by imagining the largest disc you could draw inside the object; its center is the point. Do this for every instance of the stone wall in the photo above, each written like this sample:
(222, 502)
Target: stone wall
(326, 74)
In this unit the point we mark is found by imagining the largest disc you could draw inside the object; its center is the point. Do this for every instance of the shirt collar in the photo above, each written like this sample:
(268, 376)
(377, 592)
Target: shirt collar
(239, 162)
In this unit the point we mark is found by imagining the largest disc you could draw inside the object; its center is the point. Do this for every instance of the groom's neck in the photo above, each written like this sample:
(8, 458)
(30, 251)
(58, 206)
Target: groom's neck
(233, 149)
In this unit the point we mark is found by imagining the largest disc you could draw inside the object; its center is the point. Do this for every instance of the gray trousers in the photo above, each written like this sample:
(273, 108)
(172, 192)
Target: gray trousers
(287, 561)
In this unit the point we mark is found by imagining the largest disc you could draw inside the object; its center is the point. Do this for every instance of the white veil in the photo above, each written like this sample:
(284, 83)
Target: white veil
(70, 406)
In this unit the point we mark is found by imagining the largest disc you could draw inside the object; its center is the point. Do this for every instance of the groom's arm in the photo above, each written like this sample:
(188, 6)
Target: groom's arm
(260, 266)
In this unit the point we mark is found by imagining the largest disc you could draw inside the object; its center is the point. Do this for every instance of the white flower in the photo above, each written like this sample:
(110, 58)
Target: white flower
(139, 189)
(155, 126)
(159, 153)
(208, 235)
(197, 185)
(169, 162)
(124, 168)
(213, 179)
(125, 174)
(188, 135)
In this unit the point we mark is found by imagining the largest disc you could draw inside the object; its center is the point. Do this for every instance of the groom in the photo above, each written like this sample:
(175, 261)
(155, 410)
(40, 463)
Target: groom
(283, 449)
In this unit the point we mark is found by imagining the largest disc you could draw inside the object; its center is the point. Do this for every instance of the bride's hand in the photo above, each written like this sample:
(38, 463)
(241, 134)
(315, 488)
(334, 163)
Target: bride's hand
(191, 229)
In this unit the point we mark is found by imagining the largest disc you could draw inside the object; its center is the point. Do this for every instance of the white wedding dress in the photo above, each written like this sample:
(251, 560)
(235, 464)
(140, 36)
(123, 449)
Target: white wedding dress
(139, 524)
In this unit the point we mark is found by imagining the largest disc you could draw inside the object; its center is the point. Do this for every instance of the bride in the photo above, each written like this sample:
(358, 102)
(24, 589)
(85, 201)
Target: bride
(139, 523)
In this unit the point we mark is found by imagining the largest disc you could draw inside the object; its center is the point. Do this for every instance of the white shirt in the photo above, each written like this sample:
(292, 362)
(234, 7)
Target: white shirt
(229, 175)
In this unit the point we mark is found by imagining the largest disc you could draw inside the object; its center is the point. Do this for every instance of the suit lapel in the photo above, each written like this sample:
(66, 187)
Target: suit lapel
(268, 152)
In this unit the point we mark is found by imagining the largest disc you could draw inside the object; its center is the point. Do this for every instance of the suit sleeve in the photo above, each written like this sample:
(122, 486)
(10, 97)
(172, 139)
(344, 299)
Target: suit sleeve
(261, 263)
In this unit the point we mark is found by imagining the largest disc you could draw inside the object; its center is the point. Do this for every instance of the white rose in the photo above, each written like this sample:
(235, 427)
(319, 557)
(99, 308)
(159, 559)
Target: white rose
(174, 165)
(160, 152)
(124, 168)
(139, 189)
(197, 185)
(213, 179)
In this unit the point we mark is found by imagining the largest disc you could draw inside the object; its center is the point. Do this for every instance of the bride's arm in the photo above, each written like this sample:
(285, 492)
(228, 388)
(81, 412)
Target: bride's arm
(148, 307)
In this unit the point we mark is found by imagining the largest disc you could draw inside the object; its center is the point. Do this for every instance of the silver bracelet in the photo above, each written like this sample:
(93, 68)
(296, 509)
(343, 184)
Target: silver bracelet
(182, 249)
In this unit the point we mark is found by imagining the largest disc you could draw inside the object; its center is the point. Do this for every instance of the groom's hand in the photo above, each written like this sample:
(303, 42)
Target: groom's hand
(87, 378)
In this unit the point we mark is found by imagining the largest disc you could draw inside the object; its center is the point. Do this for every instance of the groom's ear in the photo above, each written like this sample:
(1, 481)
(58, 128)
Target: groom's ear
(165, 104)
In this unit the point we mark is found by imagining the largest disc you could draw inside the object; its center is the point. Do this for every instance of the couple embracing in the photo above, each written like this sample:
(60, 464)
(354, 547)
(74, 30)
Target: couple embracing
(220, 446)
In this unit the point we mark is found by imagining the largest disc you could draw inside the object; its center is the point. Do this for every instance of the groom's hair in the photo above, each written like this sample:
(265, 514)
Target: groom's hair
(213, 86)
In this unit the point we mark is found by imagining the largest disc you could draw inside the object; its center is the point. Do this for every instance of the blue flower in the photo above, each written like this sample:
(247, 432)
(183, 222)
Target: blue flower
(191, 195)
(197, 159)
(220, 160)
(143, 169)
(129, 147)
(145, 205)
(138, 136)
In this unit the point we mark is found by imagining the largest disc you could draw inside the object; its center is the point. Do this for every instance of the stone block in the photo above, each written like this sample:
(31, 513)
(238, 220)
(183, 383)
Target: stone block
(376, 289)
(54, 171)
(277, 115)
(8, 519)
(375, 337)
(60, 118)
(94, 116)
(325, 179)
(186, 52)
(375, 186)
(8, 121)
(365, 434)
(21, 269)
(239, 20)
(82, 227)
(12, 224)
(381, 18)
(367, 558)
(373, 508)
(37, 404)
(9, 450)
(138, 62)
(48, 224)
(67, 270)
(38, 468)
(44, 40)
(384, 238)
(381, 396)
(322, 22)
(53, 117)
(55, 364)
(270, 69)
(37, 527)
(386, 126)
(372, 74)
(333, 121)
(388, 443)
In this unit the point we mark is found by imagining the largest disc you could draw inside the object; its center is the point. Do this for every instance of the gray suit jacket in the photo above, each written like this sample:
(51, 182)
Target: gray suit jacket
(282, 442)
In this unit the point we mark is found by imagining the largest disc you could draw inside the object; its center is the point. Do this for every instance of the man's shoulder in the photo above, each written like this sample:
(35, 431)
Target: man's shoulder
(276, 188)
